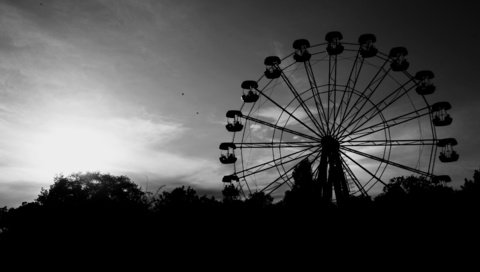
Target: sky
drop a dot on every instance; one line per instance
(141, 87)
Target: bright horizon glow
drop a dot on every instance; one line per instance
(69, 149)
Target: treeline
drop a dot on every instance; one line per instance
(95, 206)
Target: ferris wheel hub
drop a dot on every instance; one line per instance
(330, 144)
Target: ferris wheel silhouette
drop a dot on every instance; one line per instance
(355, 113)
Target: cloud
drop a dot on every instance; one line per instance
(14, 193)
(6, 43)
(84, 87)
(136, 146)
(279, 49)
(274, 114)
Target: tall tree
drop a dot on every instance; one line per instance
(306, 190)
(92, 188)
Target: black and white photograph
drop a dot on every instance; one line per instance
(135, 123)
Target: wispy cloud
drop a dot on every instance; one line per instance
(274, 114)
(85, 86)
(133, 145)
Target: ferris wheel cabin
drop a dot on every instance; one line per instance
(233, 121)
(398, 57)
(425, 85)
(440, 116)
(367, 48)
(334, 46)
(301, 50)
(227, 155)
(250, 94)
(272, 70)
(447, 154)
(230, 178)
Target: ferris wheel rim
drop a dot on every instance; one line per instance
(353, 136)
(355, 91)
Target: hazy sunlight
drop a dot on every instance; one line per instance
(66, 149)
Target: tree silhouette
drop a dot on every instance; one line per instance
(472, 186)
(95, 188)
(259, 200)
(470, 192)
(230, 194)
(81, 208)
(415, 192)
(3, 219)
(178, 198)
(305, 191)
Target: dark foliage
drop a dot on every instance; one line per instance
(230, 194)
(94, 208)
(471, 188)
(259, 200)
(100, 190)
(415, 192)
(304, 191)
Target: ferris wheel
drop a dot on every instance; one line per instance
(356, 114)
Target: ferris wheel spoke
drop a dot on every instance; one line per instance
(387, 124)
(268, 165)
(351, 83)
(340, 125)
(372, 86)
(375, 181)
(396, 94)
(316, 95)
(401, 166)
(363, 168)
(354, 178)
(301, 102)
(357, 71)
(317, 151)
(274, 185)
(288, 113)
(304, 156)
(334, 80)
(329, 91)
(317, 168)
(353, 120)
(265, 123)
(271, 145)
(390, 142)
